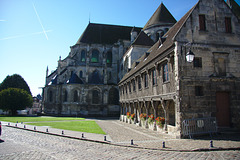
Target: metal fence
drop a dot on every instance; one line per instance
(199, 126)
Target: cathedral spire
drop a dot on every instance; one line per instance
(47, 72)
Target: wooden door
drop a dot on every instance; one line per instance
(223, 109)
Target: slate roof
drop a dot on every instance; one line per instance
(155, 50)
(75, 79)
(106, 34)
(161, 16)
(235, 7)
(143, 39)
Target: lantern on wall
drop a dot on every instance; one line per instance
(190, 56)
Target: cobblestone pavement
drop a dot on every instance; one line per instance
(21, 144)
(123, 133)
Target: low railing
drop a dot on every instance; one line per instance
(199, 126)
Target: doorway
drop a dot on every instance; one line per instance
(223, 109)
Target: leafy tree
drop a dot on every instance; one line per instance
(15, 81)
(14, 99)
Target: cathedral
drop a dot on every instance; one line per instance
(85, 83)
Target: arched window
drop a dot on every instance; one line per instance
(95, 97)
(81, 74)
(113, 96)
(75, 98)
(50, 96)
(95, 56)
(95, 78)
(109, 59)
(65, 96)
(83, 56)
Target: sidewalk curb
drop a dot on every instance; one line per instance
(130, 146)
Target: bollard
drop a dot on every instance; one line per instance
(211, 144)
(163, 144)
(82, 135)
(105, 138)
(16, 125)
(9, 124)
(24, 126)
(47, 130)
(34, 128)
(62, 132)
(17, 121)
(132, 142)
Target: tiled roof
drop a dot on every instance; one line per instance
(161, 16)
(155, 50)
(143, 39)
(106, 34)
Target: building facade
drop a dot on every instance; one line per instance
(85, 82)
(163, 84)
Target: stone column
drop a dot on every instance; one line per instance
(146, 107)
(155, 114)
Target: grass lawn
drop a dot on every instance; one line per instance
(37, 119)
(66, 124)
(81, 126)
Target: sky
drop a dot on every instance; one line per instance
(34, 33)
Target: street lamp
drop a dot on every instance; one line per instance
(190, 56)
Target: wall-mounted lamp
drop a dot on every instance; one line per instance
(190, 56)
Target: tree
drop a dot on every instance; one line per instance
(14, 99)
(15, 81)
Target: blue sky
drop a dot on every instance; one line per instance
(34, 33)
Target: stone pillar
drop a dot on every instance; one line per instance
(155, 114)
(146, 107)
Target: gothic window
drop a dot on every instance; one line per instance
(202, 22)
(75, 96)
(95, 97)
(198, 90)
(65, 96)
(113, 96)
(81, 74)
(145, 80)
(50, 96)
(153, 77)
(139, 82)
(197, 62)
(109, 59)
(109, 75)
(95, 78)
(165, 73)
(228, 25)
(83, 56)
(95, 56)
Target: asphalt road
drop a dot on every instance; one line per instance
(22, 144)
